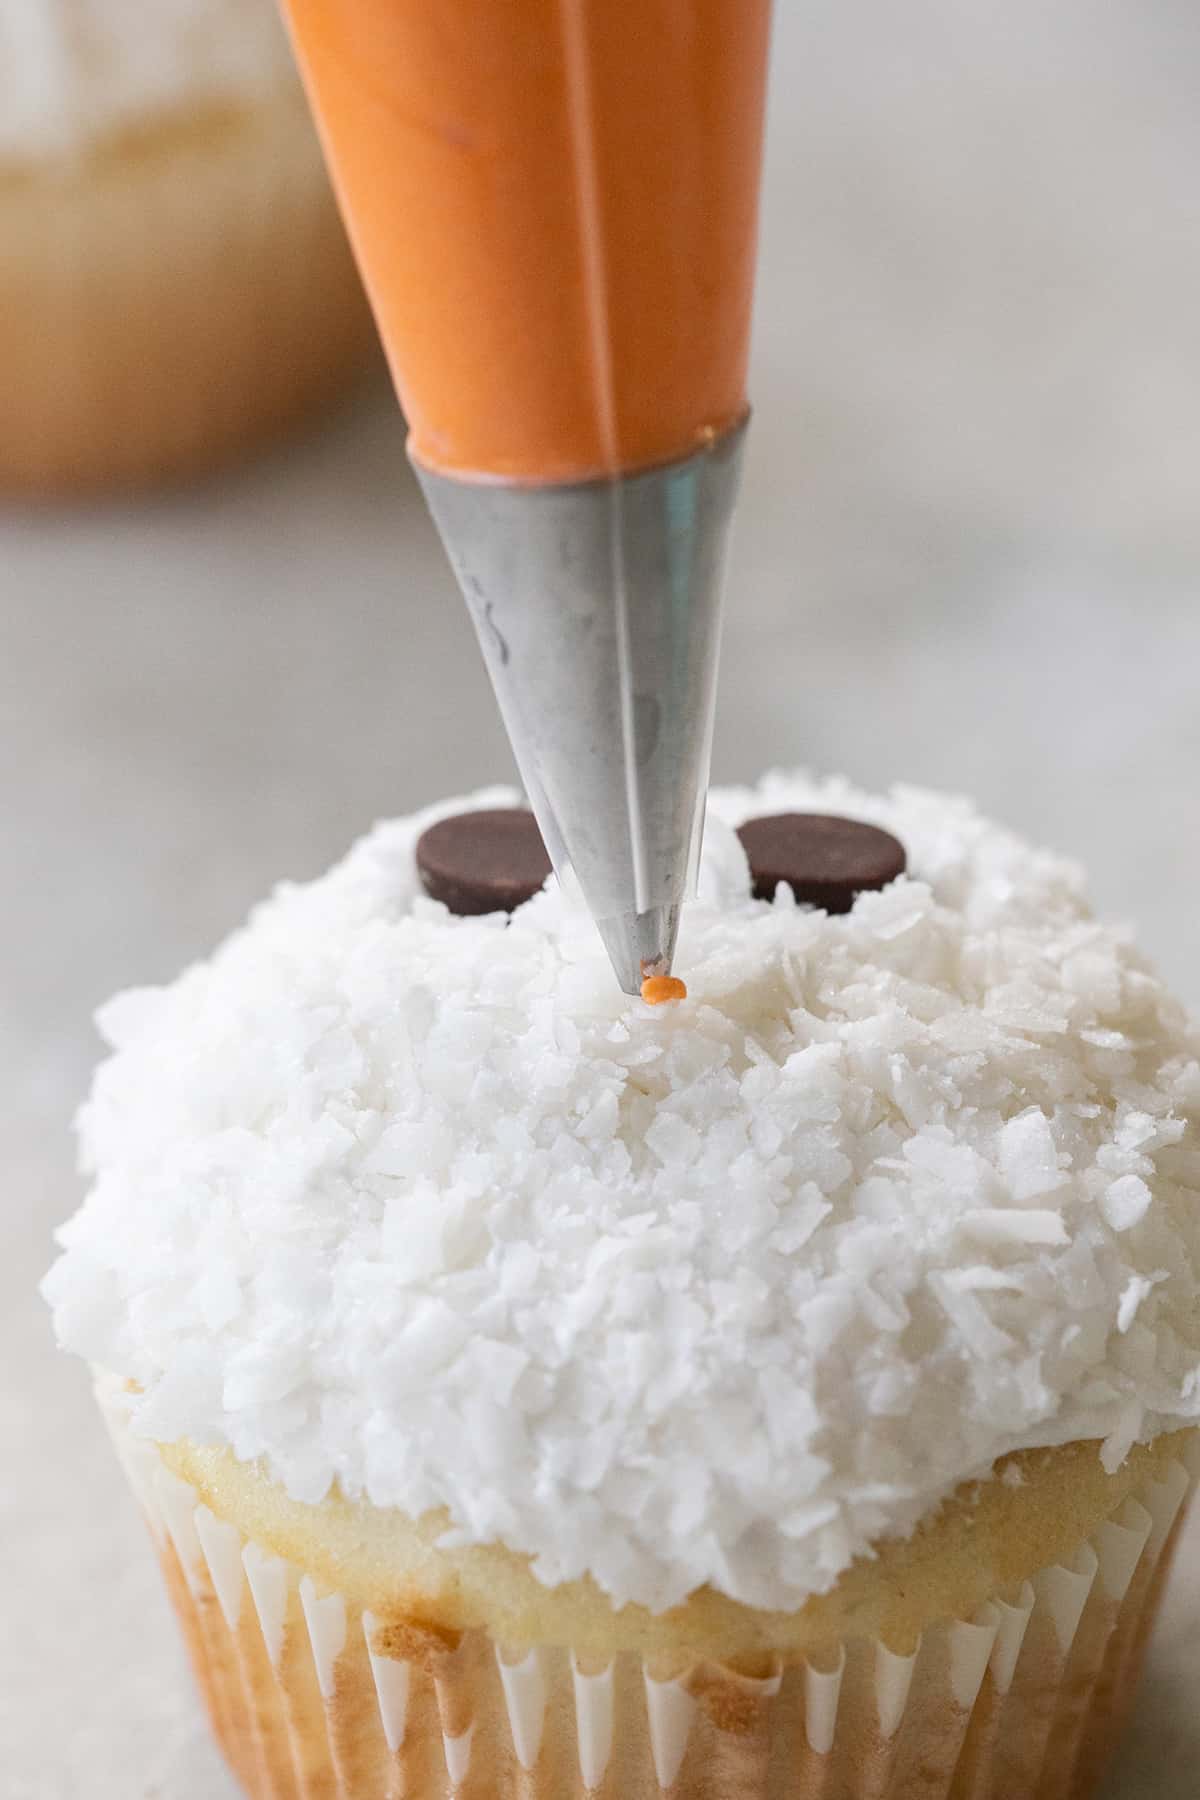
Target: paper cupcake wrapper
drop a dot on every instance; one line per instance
(165, 308)
(313, 1699)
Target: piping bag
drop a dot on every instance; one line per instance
(554, 207)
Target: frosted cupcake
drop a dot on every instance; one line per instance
(785, 1391)
(174, 282)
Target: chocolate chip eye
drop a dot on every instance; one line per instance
(825, 860)
(483, 862)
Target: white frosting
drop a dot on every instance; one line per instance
(722, 1291)
(72, 71)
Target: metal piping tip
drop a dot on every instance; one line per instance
(640, 944)
(597, 605)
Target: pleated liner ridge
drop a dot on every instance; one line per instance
(312, 1699)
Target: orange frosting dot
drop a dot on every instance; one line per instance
(657, 988)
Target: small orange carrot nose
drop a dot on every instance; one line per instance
(657, 988)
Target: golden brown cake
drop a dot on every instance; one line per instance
(995, 1652)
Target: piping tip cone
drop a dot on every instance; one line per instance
(597, 606)
(640, 944)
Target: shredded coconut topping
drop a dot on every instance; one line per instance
(721, 1292)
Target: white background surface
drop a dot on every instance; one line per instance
(968, 555)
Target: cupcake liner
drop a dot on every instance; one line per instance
(313, 1699)
(168, 301)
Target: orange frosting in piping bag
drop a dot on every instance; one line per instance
(554, 206)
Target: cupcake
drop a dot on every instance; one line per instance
(781, 1392)
(175, 286)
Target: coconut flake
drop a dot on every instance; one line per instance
(1126, 1202)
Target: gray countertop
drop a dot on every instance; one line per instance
(968, 556)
